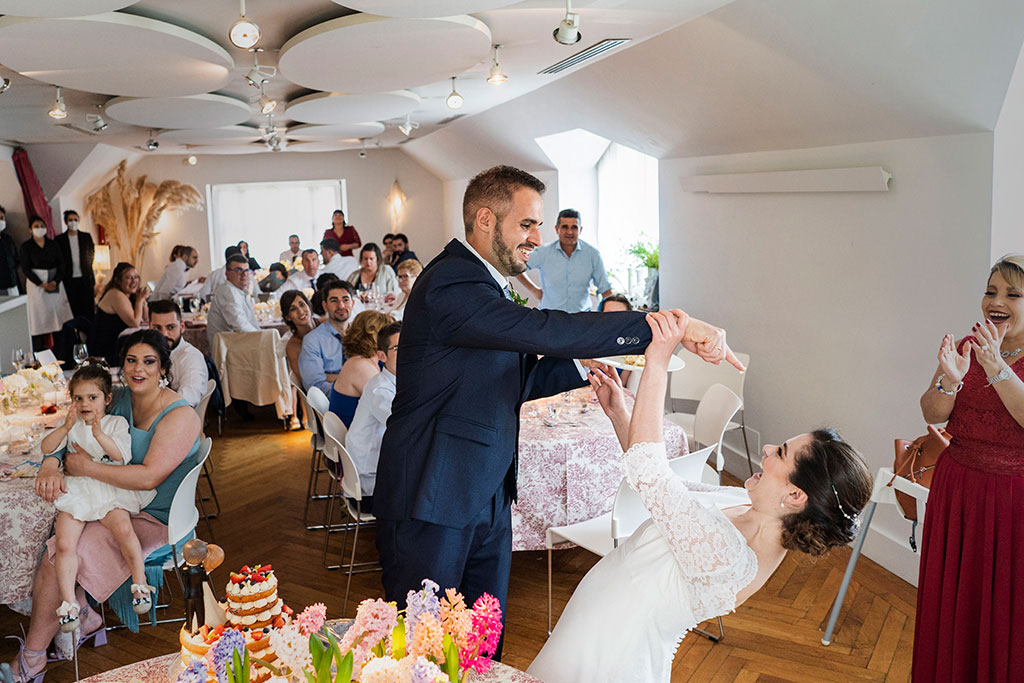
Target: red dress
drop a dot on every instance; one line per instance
(970, 596)
(348, 236)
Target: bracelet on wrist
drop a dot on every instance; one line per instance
(1005, 373)
(941, 390)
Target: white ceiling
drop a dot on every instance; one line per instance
(179, 47)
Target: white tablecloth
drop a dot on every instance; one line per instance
(253, 368)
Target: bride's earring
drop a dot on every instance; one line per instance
(782, 503)
(163, 381)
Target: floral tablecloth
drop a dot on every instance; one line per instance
(569, 471)
(156, 671)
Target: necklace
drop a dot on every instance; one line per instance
(1010, 354)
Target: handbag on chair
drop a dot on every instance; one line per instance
(915, 460)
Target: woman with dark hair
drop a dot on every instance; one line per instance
(360, 346)
(41, 262)
(348, 238)
(298, 316)
(244, 247)
(705, 548)
(122, 305)
(164, 447)
(970, 615)
(374, 279)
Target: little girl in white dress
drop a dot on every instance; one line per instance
(105, 438)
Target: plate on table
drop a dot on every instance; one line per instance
(636, 362)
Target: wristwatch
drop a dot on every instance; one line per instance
(1000, 376)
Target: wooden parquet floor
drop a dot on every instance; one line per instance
(261, 481)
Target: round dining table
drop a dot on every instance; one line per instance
(570, 464)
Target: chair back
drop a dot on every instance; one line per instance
(204, 403)
(184, 516)
(309, 419)
(690, 467)
(335, 432)
(693, 381)
(714, 412)
(318, 401)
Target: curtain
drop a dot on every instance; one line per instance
(32, 191)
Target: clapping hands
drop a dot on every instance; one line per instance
(954, 364)
(986, 342)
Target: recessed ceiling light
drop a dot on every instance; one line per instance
(454, 99)
(5, 83)
(497, 75)
(568, 31)
(244, 33)
(58, 110)
(190, 160)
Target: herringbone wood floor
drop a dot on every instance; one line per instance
(261, 480)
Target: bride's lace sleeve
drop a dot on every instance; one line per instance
(704, 543)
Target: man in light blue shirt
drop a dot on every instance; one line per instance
(322, 356)
(567, 267)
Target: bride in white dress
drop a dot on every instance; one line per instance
(705, 549)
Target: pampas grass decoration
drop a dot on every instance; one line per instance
(129, 209)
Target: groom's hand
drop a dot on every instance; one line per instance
(708, 342)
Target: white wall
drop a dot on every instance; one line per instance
(368, 182)
(841, 299)
(1008, 170)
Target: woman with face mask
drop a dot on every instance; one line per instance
(8, 259)
(48, 307)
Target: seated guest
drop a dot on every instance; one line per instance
(289, 255)
(253, 264)
(216, 277)
(367, 428)
(232, 310)
(122, 305)
(407, 271)
(343, 233)
(373, 279)
(175, 276)
(275, 279)
(400, 250)
(164, 447)
(334, 262)
(385, 248)
(361, 362)
(305, 278)
(190, 374)
(613, 303)
(298, 316)
(322, 354)
(322, 282)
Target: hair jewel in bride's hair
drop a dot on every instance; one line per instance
(94, 361)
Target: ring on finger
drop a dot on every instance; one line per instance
(984, 347)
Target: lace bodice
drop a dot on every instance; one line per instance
(712, 554)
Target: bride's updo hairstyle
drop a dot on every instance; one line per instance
(838, 486)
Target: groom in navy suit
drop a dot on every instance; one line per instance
(468, 359)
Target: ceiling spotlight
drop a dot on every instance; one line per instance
(190, 160)
(244, 33)
(362, 152)
(58, 110)
(151, 143)
(497, 75)
(5, 83)
(266, 104)
(259, 73)
(98, 124)
(408, 126)
(454, 99)
(568, 31)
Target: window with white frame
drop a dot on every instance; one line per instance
(265, 214)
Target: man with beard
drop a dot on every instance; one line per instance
(322, 356)
(468, 358)
(190, 375)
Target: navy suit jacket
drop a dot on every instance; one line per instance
(467, 361)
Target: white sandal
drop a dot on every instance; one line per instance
(142, 605)
(68, 616)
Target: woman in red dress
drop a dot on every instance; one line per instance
(346, 234)
(970, 611)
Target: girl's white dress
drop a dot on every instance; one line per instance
(682, 566)
(89, 499)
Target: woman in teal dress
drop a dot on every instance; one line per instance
(165, 443)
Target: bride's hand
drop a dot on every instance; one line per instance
(667, 331)
(608, 388)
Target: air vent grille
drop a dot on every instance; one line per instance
(589, 53)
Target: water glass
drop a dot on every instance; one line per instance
(18, 359)
(80, 353)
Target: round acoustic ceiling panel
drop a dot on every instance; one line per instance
(423, 8)
(329, 107)
(114, 54)
(192, 111)
(335, 131)
(324, 145)
(60, 8)
(211, 136)
(365, 53)
(240, 148)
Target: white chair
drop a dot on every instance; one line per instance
(313, 425)
(201, 408)
(714, 414)
(602, 534)
(346, 487)
(692, 382)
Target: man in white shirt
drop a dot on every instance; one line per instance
(288, 256)
(372, 413)
(175, 276)
(334, 262)
(232, 310)
(216, 277)
(188, 367)
(305, 278)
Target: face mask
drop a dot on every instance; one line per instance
(39, 232)
(72, 225)
(3, 224)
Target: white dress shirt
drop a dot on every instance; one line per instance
(172, 281)
(297, 280)
(368, 425)
(342, 266)
(231, 311)
(215, 279)
(288, 257)
(188, 372)
(76, 255)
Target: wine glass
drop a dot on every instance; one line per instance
(195, 304)
(80, 353)
(18, 359)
